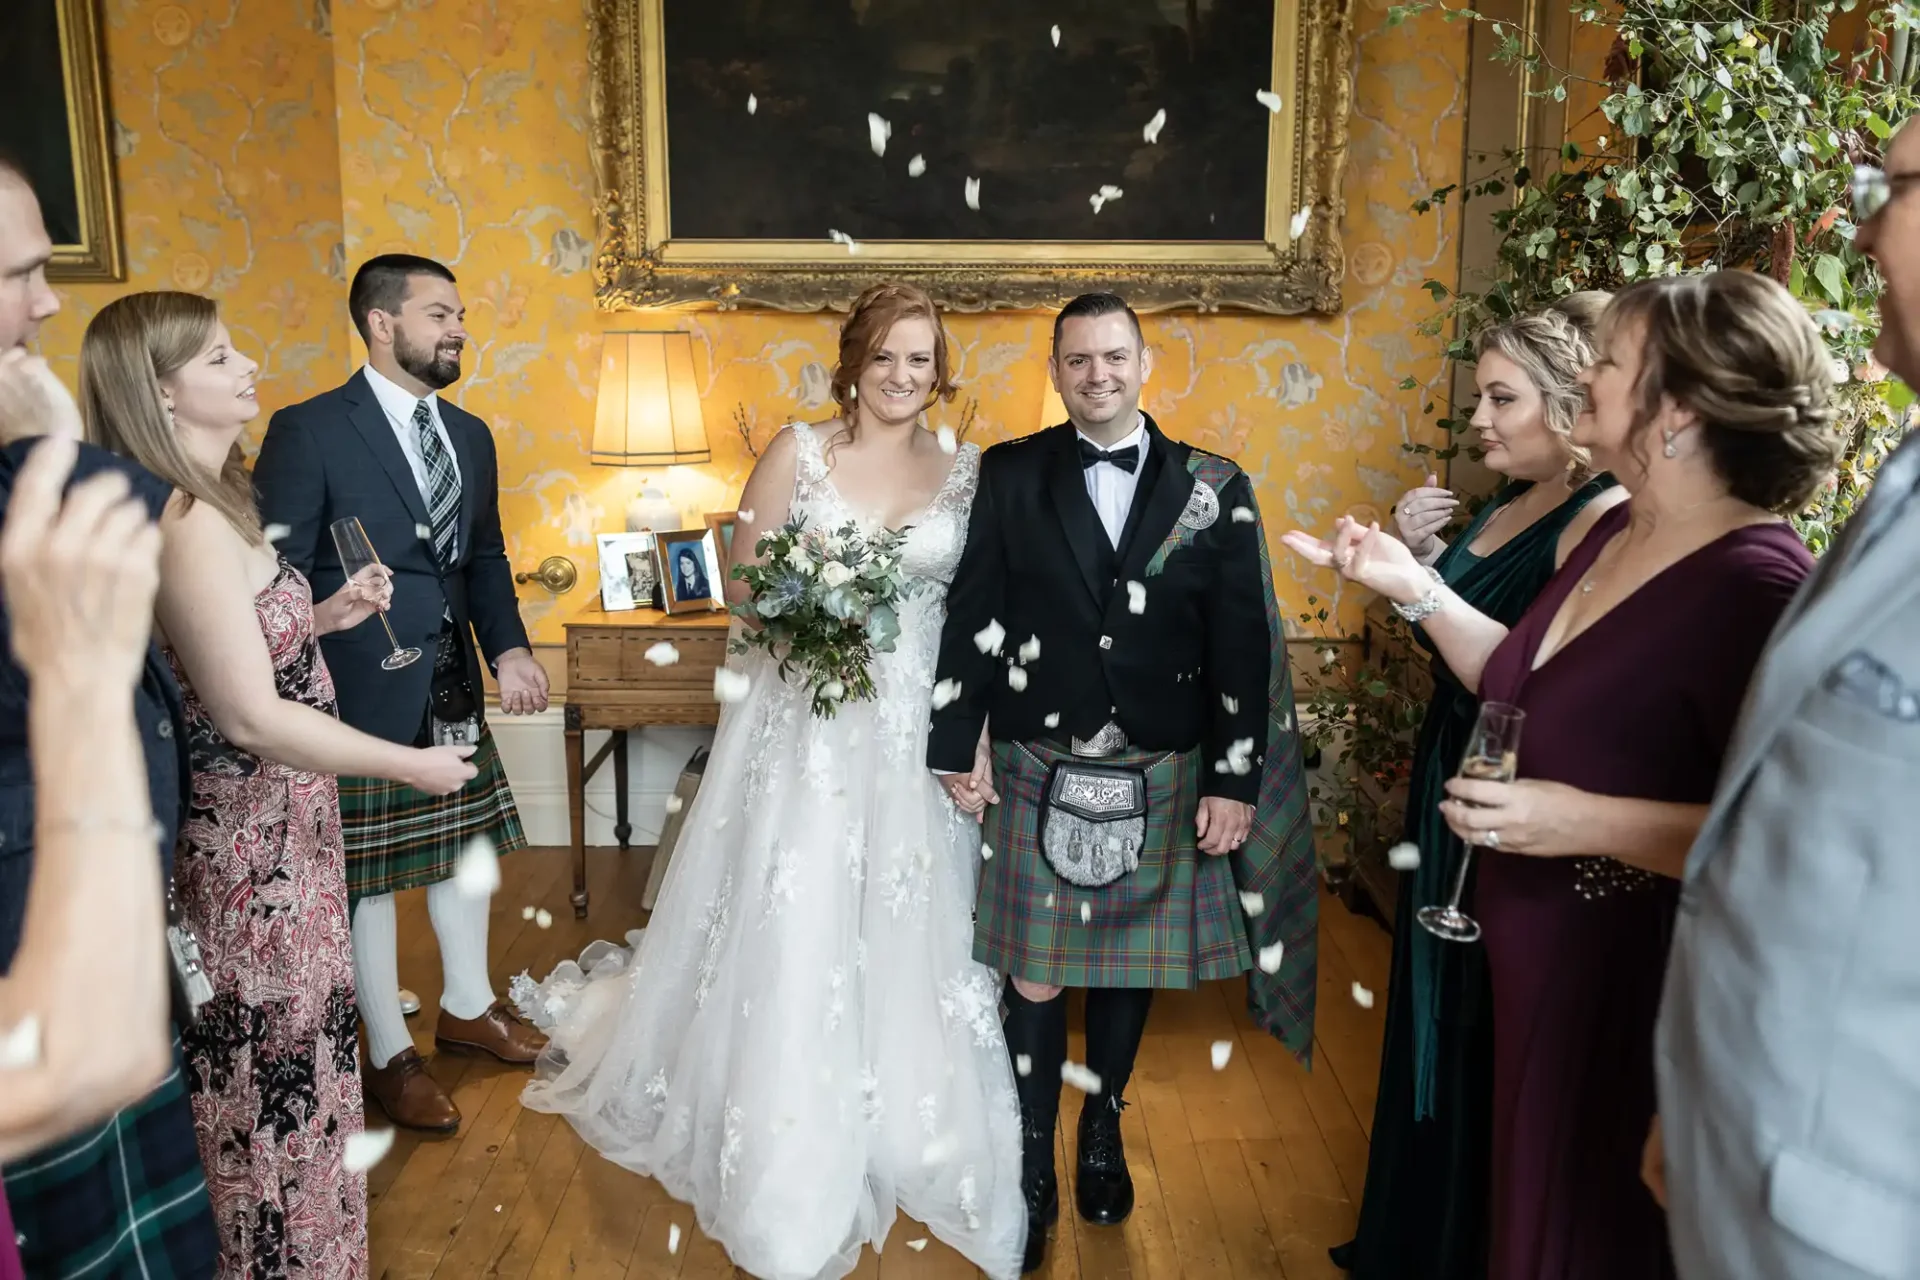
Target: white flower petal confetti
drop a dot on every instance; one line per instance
(526, 912)
(1030, 650)
(1136, 597)
(20, 1047)
(673, 1237)
(675, 804)
(949, 443)
(753, 105)
(424, 532)
(1152, 132)
(1104, 194)
(1086, 913)
(841, 237)
(1362, 996)
(1017, 679)
(1268, 99)
(1222, 1054)
(1231, 703)
(986, 852)
(1327, 657)
(1252, 903)
(1052, 720)
(989, 637)
(1243, 515)
(973, 194)
(916, 166)
(1270, 957)
(366, 1149)
(1079, 1077)
(1022, 1065)
(944, 692)
(938, 1152)
(1055, 33)
(833, 691)
(663, 654)
(275, 532)
(730, 686)
(1239, 761)
(878, 131)
(543, 918)
(1299, 224)
(1404, 856)
(918, 1245)
(1049, 902)
(477, 874)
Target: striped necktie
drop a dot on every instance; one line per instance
(443, 487)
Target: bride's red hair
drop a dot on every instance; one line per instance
(874, 314)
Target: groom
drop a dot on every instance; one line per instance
(1114, 685)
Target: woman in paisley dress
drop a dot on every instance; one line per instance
(800, 1044)
(261, 873)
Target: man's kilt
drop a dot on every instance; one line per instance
(1174, 922)
(400, 838)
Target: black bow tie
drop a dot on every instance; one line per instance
(1126, 459)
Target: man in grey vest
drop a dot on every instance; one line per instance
(1788, 1053)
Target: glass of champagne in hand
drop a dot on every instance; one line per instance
(356, 553)
(1493, 753)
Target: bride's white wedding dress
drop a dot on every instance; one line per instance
(801, 1042)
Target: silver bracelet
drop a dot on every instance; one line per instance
(1427, 605)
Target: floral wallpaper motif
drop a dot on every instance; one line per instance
(268, 144)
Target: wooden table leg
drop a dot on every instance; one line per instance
(622, 829)
(577, 807)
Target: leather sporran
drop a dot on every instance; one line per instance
(1093, 822)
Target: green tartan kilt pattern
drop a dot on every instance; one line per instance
(1173, 922)
(401, 838)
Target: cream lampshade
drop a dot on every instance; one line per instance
(648, 413)
(1052, 412)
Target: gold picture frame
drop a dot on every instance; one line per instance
(61, 131)
(640, 263)
(695, 588)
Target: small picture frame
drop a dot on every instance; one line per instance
(690, 577)
(629, 571)
(720, 524)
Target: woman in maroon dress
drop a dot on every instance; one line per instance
(1710, 401)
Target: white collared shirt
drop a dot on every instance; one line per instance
(399, 403)
(1110, 487)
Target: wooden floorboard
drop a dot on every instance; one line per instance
(1241, 1173)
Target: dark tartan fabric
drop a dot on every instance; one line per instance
(123, 1199)
(1171, 923)
(400, 838)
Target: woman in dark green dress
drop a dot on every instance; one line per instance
(1424, 1213)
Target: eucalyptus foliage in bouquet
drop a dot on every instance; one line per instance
(823, 604)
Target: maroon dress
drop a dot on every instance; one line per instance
(1642, 705)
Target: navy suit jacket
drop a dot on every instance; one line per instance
(336, 456)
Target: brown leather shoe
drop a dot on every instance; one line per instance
(411, 1098)
(497, 1032)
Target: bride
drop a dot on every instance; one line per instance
(801, 1043)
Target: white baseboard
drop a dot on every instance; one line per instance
(533, 750)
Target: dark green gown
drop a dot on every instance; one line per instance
(1424, 1212)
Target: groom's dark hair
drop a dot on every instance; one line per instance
(381, 285)
(1091, 306)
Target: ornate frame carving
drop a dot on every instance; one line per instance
(640, 265)
(98, 257)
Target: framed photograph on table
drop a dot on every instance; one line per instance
(690, 576)
(629, 571)
(720, 525)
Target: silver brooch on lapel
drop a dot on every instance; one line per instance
(1203, 507)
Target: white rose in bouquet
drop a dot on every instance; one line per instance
(834, 574)
(798, 559)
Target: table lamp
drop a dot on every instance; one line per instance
(648, 413)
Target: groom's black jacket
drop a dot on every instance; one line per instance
(1038, 562)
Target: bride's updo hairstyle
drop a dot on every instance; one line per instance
(874, 314)
(1740, 352)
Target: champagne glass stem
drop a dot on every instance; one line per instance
(389, 626)
(1460, 878)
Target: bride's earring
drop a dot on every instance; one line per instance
(853, 392)
(1670, 451)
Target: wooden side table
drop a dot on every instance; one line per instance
(612, 686)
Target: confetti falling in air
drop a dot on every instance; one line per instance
(1031, 649)
(477, 874)
(1136, 597)
(986, 852)
(1327, 657)
(1362, 996)
(675, 804)
(1299, 224)
(973, 194)
(1079, 1077)
(1252, 903)
(424, 532)
(663, 654)
(275, 532)
(1222, 1054)
(1055, 33)
(916, 166)
(1049, 902)
(944, 692)
(543, 918)
(730, 686)
(1104, 194)
(949, 442)
(918, 1245)
(1243, 515)
(1268, 99)
(526, 912)
(1239, 761)
(939, 1151)
(753, 104)
(1022, 1065)
(1086, 913)
(366, 1149)
(1152, 131)
(833, 691)
(878, 131)
(1231, 703)
(744, 515)
(673, 1237)
(989, 637)
(1270, 957)
(1052, 720)
(841, 237)
(1017, 679)
(1404, 856)
(20, 1047)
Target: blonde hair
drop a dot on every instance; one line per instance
(1552, 348)
(129, 347)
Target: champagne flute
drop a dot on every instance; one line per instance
(356, 553)
(1493, 753)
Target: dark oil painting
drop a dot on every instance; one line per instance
(33, 125)
(974, 88)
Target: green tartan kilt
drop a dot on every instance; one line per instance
(401, 838)
(1173, 922)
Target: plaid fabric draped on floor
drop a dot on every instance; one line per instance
(401, 838)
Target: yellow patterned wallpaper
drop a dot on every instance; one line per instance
(459, 133)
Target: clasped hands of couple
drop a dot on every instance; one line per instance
(1221, 825)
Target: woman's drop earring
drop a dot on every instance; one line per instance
(1670, 451)
(853, 392)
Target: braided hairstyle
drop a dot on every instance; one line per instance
(1552, 348)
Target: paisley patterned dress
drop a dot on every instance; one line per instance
(272, 1063)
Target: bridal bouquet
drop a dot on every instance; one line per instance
(823, 604)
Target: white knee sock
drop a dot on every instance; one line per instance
(376, 979)
(460, 923)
